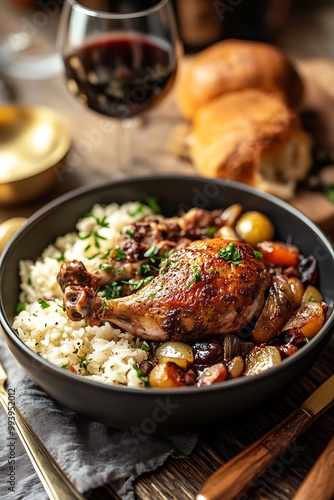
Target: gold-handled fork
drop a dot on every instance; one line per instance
(53, 479)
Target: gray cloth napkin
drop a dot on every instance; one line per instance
(90, 453)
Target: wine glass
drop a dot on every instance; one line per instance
(119, 61)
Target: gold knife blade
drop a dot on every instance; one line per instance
(237, 475)
(320, 399)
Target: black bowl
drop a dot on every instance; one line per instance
(154, 409)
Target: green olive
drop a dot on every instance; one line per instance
(254, 227)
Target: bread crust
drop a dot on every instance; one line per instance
(238, 135)
(232, 65)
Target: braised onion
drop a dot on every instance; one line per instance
(277, 309)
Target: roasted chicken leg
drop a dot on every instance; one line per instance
(213, 286)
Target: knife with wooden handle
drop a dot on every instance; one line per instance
(319, 482)
(237, 475)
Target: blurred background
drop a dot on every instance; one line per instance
(31, 70)
(302, 27)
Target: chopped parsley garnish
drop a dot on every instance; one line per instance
(165, 265)
(141, 376)
(139, 210)
(145, 346)
(95, 234)
(83, 237)
(21, 306)
(111, 291)
(44, 304)
(129, 233)
(151, 201)
(210, 270)
(329, 192)
(183, 456)
(145, 269)
(107, 268)
(76, 351)
(119, 254)
(151, 252)
(65, 366)
(61, 258)
(135, 285)
(258, 255)
(196, 277)
(152, 255)
(230, 254)
(106, 255)
(83, 362)
(210, 231)
(306, 340)
(100, 222)
(197, 274)
(96, 238)
(94, 256)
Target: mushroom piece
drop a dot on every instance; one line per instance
(278, 307)
(261, 359)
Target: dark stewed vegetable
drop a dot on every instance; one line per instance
(278, 308)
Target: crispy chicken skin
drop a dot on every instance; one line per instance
(164, 236)
(197, 292)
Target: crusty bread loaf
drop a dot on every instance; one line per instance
(251, 137)
(232, 65)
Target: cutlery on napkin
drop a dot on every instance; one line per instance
(90, 454)
(53, 479)
(234, 477)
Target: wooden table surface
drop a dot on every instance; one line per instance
(92, 161)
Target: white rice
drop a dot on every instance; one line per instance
(103, 353)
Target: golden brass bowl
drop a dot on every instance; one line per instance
(33, 140)
(8, 229)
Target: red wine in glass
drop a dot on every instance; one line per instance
(120, 60)
(121, 75)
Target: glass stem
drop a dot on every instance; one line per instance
(123, 147)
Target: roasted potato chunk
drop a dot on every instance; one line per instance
(308, 319)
